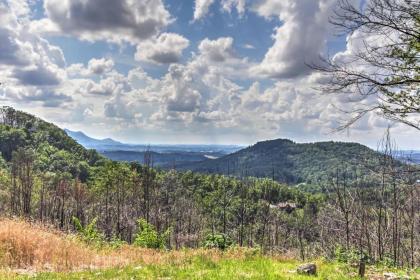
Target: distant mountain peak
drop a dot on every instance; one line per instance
(90, 142)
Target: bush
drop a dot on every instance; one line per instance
(346, 256)
(218, 241)
(89, 233)
(148, 237)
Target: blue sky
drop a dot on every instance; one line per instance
(191, 71)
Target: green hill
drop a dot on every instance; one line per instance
(55, 150)
(286, 161)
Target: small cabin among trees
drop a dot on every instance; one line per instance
(285, 206)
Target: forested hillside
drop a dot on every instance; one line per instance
(30, 138)
(46, 176)
(292, 163)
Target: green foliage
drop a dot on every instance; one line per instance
(292, 163)
(148, 237)
(343, 255)
(116, 242)
(65, 181)
(92, 236)
(89, 233)
(217, 241)
(55, 150)
(201, 267)
(3, 163)
(11, 139)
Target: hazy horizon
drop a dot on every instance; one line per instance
(376, 147)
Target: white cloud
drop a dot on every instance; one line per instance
(20, 8)
(38, 75)
(210, 97)
(218, 50)
(100, 66)
(182, 97)
(95, 66)
(165, 49)
(300, 40)
(113, 84)
(109, 20)
(201, 8)
(248, 46)
(28, 62)
(120, 108)
(229, 5)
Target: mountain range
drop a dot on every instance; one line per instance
(163, 155)
(281, 159)
(90, 142)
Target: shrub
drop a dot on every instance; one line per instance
(346, 256)
(217, 241)
(89, 233)
(148, 237)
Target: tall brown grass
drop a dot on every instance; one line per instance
(37, 247)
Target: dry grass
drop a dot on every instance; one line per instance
(29, 248)
(30, 245)
(36, 247)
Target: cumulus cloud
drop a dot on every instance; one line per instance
(116, 21)
(100, 66)
(123, 107)
(113, 84)
(229, 5)
(210, 93)
(201, 8)
(299, 40)
(183, 97)
(37, 76)
(95, 66)
(29, 95)
(20, 8)
(28, 62)
(217, 50)
(165, 49)
(48, 98)
(12, 51)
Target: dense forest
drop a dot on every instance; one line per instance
(366, 211)
(292, 163)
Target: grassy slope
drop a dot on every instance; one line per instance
(201, 267)
(28, 251)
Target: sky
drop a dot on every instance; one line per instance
(182, 71)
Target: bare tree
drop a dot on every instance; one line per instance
(386, 63)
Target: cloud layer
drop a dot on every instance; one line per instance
(206, 90)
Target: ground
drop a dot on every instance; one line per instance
(204, 267)
(34, 251)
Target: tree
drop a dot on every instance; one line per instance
(23, 180)
(384, 61)
(10, 140)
